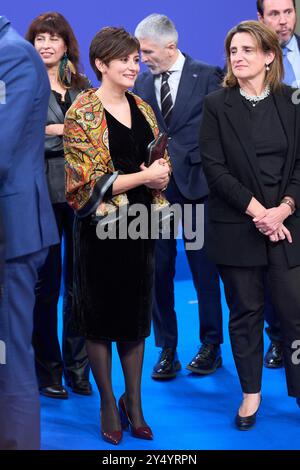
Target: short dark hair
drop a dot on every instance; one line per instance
(260, 6)
(111, 43)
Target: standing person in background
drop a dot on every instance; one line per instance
(30, 229)
(54, 40)
(175, 87)
(280, 16)
(251, 156)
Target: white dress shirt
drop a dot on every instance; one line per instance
(173, 81)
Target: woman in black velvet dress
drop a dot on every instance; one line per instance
(107, 131)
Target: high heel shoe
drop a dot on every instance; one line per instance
(141, 432)
(113, 437)
(247, 422)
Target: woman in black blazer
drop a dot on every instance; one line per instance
(251, 156)
(54, 40)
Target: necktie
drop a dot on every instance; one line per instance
(289, 74)
(166, 98)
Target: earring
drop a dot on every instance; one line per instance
(66, 69)
(267, 67)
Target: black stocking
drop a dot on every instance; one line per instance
(132, 356)
(99, 353)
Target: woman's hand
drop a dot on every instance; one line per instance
(157, 174)
(281, 233)
(272, 219)
(55, 129)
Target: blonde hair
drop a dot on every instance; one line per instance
(267, 41)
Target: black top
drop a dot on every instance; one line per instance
(269, 140)
(64, 105)
(128, 147)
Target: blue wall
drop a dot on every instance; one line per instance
(202, 24)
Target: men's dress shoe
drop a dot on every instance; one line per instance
(247, 422)
(274, 356)
(167, 365)
(141, 432)
(81, 387)
(54, 391)
(207, 360)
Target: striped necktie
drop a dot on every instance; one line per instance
(166, 98)
(289, 74)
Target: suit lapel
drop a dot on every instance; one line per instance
(186, 88)
(55, 108)
(3, 23)
(240, 121)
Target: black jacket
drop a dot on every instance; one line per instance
(231, 168)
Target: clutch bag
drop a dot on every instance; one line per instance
(156, 149)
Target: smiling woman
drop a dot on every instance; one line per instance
(107, 131)
(54, 40)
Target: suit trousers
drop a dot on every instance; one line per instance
(19, 397)
(245, 295)
(205, 278)
(50, 362)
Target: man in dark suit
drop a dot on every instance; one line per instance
(280, 15)
(175, 87)
(30, 229)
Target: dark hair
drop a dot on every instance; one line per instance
(111, 43)
(267, 41)
(55, 23)
(260, 6)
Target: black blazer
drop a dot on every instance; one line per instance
(197, 80)
(232, 171)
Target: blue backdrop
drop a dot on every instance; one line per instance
(202, 25)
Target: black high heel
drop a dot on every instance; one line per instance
(247, 422)
(141, 432)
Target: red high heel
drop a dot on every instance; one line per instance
(142, 432)
(113, 437)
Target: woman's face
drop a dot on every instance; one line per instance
(121, 72)
(247, 60)
(51, 48)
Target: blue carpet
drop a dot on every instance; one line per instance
(190, 412)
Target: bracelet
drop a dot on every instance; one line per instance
(289, 203)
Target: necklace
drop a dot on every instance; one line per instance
(256, 99)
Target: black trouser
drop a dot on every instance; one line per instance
(245, 295)
(273, 329)
(50, 363)
(206, 282)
